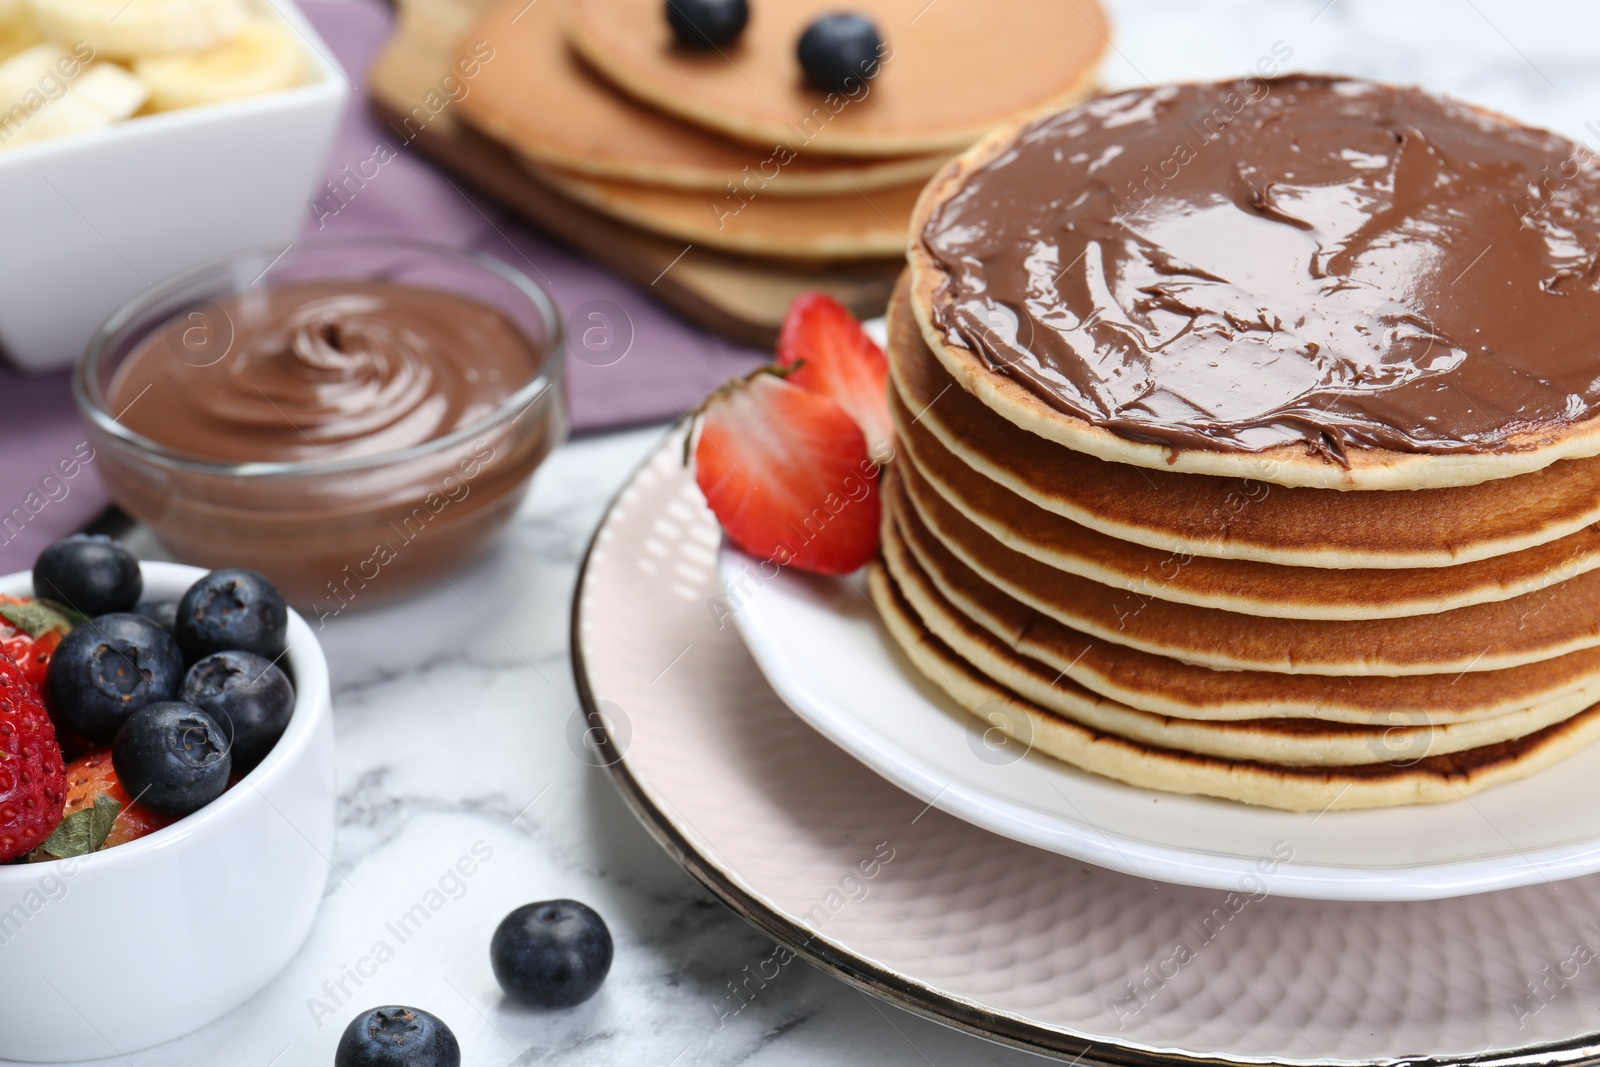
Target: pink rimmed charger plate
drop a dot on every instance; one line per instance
(1016, 943)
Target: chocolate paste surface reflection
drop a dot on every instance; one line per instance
(329, 372)
(321, 371)
(1245, 265)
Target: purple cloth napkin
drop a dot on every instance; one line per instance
(668, 366)
(41, 440)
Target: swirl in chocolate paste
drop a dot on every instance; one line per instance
(324, 371)
(1298, 260)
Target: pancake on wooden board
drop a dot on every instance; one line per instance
(1168, 687)
(1298, 741)
(1435, 779)
(937, 482)
(1537, 626)
(541, 100)
(1238, 518)
(1530, 292)
(855, 225)
(948, 73)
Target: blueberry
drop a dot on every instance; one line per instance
(250, 698)
(838, 52)
(552, 954)
(397, 1036)
(232, 609)
(707, 23)
(172, 758)
(164, 613)
(108, 668)
(89, 573)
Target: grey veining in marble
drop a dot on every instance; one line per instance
(452, 708)
(452, 713)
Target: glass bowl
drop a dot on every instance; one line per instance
(332, 533)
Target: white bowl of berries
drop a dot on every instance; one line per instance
(166, 798)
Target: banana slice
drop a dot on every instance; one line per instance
(125, 29)
(44, 93)
(17, 35)
(262, 57)
(43, 68)
(17, 29)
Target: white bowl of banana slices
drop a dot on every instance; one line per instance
(139, 138)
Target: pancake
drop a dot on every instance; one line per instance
(1301, 742)
(856, 225)
(541, 100)
(1435, 779)
(1536, 626)
(939, 484)
(1236, 518)
(1170, 688)
(949, 73)
(1276, 304)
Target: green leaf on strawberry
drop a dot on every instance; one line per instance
(38, 617)
(84, 831)
(72, 615)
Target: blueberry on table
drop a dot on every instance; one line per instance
(248, 695)
(89, 573)
(707, 23)
(839, 52)
(397, 1036)
(172, 758)
(106, 669)
(164, 613)
(232, 609)
(552, 954)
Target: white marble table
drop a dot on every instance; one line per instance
(452, 708)
(452, 711)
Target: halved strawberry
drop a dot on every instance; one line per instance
(833, 355)
(92, 775)
(30, 650)
(787, 473)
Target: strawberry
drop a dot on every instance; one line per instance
(788, 475)
(91, 775)
(33, 782)
(31, 652)
(831, 354)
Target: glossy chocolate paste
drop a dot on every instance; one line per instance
(340, 375)
(1307, 260)
(321, 371)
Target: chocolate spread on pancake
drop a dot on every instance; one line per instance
(1312, 260)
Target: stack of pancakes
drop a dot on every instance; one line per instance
(728, 148)
(1304, 523)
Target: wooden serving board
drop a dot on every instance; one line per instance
(742, 297)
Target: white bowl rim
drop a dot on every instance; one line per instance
(310, 670)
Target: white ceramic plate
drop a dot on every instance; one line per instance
(1015, 943)
(822, 645)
